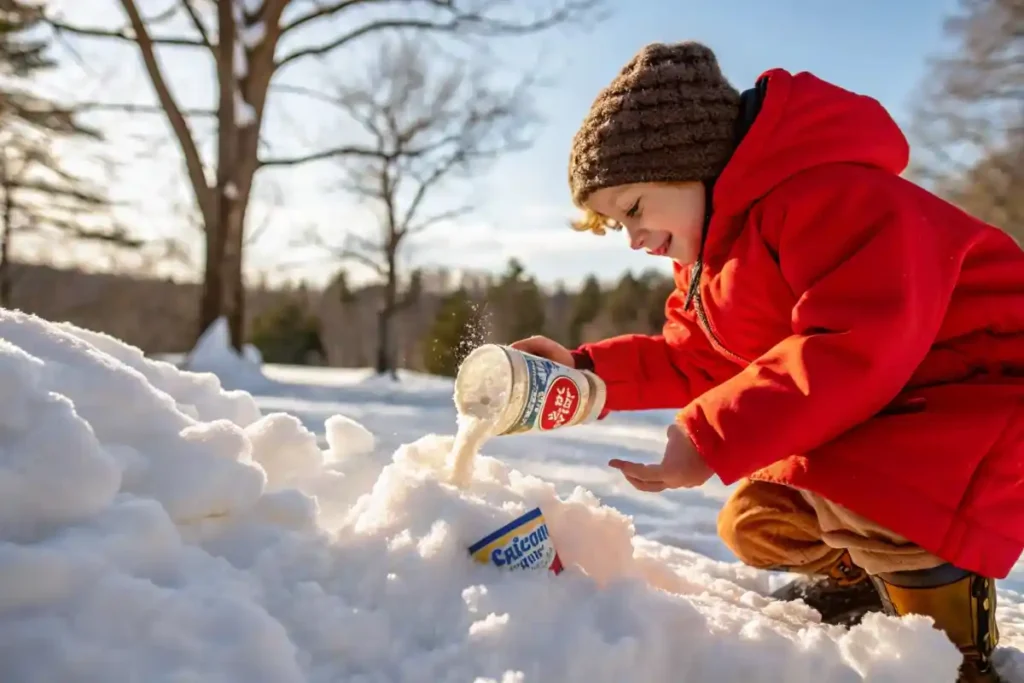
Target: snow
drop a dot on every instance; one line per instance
(253, 35)
(213, 354)
(155, 526)
(241, 61)
(245, 114)
(250, 352)
(231, 191)
(251, 6)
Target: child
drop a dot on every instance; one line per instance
(845, 345)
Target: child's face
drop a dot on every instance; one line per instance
(665, 219)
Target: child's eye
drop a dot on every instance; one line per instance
(633, 209)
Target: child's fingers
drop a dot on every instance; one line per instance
(649, 473)
(648, 486)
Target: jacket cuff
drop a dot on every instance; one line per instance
(583, 360)
(709, 444)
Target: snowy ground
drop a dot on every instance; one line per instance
(154, 527)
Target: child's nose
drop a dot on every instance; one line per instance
(636, 241)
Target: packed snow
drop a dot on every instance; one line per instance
(211, 355)
(294, 525)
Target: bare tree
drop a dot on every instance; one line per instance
(38, 194)
(428, 125)
(250, 42)
(969, 121)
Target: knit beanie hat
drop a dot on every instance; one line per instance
(668, 116)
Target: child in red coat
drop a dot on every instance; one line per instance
(846, 346)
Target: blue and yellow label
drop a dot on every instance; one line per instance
(523, 543)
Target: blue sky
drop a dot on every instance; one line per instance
(877, 47)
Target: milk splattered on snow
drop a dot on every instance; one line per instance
(480, 397)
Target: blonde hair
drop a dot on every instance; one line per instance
(595, 223)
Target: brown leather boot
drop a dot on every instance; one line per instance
(842, 595)
(962, 604)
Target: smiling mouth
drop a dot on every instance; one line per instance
(662, 250)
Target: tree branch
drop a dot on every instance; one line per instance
(359, 257)
(438, 218)
(333, 153)
(118, 236)
(123, 34)
(474, 21)
(289, 89)
(130, 108)
(353, 249)
(161, 17)
(323, 12)
(354, 151)
(197, 22)
(383, 24)
(193, 160)
(440, 170)
(257, 232)
(51, 189)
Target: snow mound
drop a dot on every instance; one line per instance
(154, 528)
(214, 354)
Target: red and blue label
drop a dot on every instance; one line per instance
(552, 398)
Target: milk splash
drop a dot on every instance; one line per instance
(469, 439)
(480, 397)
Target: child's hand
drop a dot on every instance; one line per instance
(681, 466)
(545, 348)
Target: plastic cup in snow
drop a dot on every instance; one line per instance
(523, 543)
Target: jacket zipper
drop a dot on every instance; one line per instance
(702, 316)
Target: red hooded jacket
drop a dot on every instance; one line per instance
(852, 334)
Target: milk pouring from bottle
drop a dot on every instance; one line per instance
(499, 390)
(518, 392)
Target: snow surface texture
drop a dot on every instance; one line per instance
(154, 527)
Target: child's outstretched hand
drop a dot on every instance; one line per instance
(681, 466)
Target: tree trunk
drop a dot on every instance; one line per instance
(385, 359)
(383, 340)
(235, 278)
(227, 147)
(5, 237)
(212, 294)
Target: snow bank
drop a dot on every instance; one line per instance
(214, 354)
(154, 527)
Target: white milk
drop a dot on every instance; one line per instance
(499, 390)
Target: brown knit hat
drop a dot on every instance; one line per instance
(667, 117)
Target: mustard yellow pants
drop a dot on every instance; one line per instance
(771, 526)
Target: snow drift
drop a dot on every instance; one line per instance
(213, 353)
(155, 527)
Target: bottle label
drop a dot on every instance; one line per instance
(561, 403)
(553, 397)
(523, 543)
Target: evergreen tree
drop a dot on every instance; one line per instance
(559, 307)
(38, 193)
(287, 334)
(625, 303)
(659, 287)
(586, 307)
(455, 332)
(516, 304)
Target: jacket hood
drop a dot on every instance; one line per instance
(806, 122)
